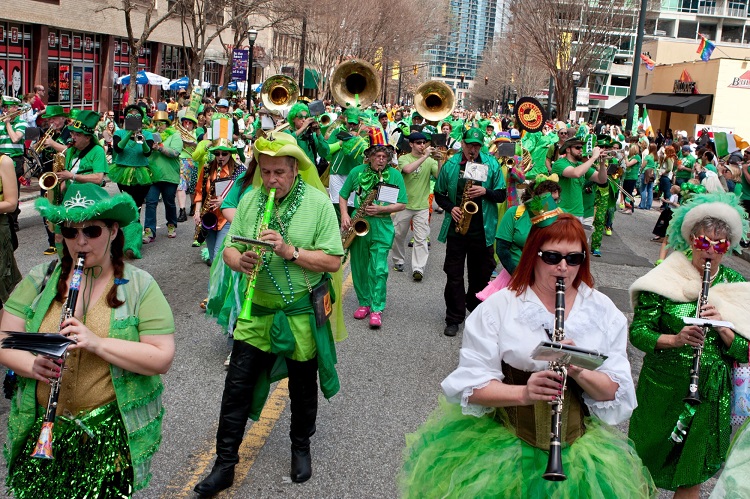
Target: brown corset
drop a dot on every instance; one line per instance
(532, 423)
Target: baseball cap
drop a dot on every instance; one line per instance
(474, 136)
(686, 148)
(416, 136)
(222, 102)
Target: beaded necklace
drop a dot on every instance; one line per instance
(280, 224)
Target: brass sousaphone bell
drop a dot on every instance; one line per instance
(279, 93)
(355, 77)
(434, 100)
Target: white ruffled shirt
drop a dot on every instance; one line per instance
(507, 328)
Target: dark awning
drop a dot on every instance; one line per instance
(311, 80)
(686, 104)
(619, 109)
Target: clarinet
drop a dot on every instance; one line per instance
(252, 276)
(43, 449)
(695, 370)
(554, 471)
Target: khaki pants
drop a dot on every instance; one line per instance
(420, 219)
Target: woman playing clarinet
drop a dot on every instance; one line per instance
(684, 442)
(491, 437)
(108, 416)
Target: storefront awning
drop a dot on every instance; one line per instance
(312, 78)
(686, 104)
(619, 109)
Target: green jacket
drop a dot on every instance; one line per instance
(165, 166)
(138, 396)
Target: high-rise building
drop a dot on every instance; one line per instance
(455, 56)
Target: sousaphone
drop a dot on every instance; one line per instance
(434, 100)
(279, 93)
(355, 77)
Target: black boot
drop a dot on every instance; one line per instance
(246, 364)
(182, 217)
(303, 393)
(192, 210)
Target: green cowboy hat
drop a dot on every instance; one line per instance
(542, 210)
(85, 201)
(53, 111)
(282, 144)
(85, 122)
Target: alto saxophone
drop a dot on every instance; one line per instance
(468, 208)
(209, 220)
(359, 226)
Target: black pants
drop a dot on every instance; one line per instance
(137, 192)
(246, 365)
(480, 262)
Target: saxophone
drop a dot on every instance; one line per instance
(468, 208)
(209, 220)
(359, 226)
(252, 276)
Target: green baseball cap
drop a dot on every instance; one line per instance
(474, 136)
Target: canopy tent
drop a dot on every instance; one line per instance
(233, 86)
(144, 78)
(182, 84)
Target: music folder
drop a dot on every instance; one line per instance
(568, 354)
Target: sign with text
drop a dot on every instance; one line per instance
(239, 64)
(742, 81)
(685, 85)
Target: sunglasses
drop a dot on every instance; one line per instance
(577, 147)
(703, 243)
(223, 153)
(553, 258)
(90, 232)
(419, 142)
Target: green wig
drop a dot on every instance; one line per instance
(721, 205)
(295, 110)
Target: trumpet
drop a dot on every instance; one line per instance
(15, 114)
(39, 146)
(138, 137)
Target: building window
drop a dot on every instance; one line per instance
(74, 70)
(732, 34)
(708, 30)
(15, 54)
(687, 29)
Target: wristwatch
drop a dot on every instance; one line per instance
(295, 255)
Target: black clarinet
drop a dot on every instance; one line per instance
(695, 370)
(554, 471)
(43, 449)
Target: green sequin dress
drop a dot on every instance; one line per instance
(663, 383)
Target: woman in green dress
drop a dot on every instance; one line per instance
(709, 225)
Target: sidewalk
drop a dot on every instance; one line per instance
(29, 193)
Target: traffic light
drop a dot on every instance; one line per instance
(415, 70)
(486, 80)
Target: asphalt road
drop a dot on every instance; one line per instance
(389, 378)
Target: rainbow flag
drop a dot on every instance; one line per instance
(648, 62)
(705, 48)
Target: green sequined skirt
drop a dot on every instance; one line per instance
(91, 459)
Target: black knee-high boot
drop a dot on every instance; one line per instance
(303, 393)
(246, 364)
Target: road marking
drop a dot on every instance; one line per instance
(254, 440)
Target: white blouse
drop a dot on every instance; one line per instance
(507, 328)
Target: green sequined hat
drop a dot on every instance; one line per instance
(722, 205)
(86, 201)
(543, 210)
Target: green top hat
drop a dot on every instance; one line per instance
(54, 111)
(85, 122)
(542, 210)
(474, 136)
(74, 114)
(85, 201)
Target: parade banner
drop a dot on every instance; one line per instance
(240, 58)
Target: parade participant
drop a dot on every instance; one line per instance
(306, 130)
(8, 202)
(648, 175)
(605, 197)
(514, 229)
(12, 132)
(574, 172)
(733, 481)
(187, 168)
(417, 168)
(306, 245)
(109, 411)
(370, 251)
(686, 162)
(630, 179)
(488, 438)
(54, 144)
(130, 171)
(472, 249)
(347, 152)
(710, 225)
(164, 163)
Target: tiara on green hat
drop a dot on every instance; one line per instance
(87, 201)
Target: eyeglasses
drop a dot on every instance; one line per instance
(223, 153)
(553, 258)
(580, 148)
(90, 232)
(302, 116)
(703, 243)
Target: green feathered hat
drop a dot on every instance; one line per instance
(542, 210)
(85, 201)
(721, 205)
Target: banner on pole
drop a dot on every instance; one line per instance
(240, 59)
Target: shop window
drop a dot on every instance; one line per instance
(687, 29)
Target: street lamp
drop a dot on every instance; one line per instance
(576, 80)
(251, 36)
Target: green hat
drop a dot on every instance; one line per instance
(138, 108)
(281, 144)
(54, 111)
(86, 201)
(542, 210)
(11, 101)
(474, 136)
(182, 115)
(74, 113)
(415, 114)
(238, 111)
(85, 122)
(352, 115)
(603, 140)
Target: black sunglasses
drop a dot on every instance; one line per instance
(553, 258)
(223, 153)
(90, 232)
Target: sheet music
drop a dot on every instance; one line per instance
(388, 193)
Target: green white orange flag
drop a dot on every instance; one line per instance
(727, 143)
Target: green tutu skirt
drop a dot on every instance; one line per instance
(91, 459)
(454, 455)
(130, 175)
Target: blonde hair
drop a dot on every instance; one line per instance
(736, 172)
(634, 150)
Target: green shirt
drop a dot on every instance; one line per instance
(7, 146)
(95, 161)
(688, 162)
(649, 163)
(313, 227)
(571, 189)
(418, 182)
(165, 167)
(745, 185)
(631, 172)
(235, 194)
(514, 229)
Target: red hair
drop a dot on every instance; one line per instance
(567, 229)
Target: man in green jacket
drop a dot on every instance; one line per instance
(164, 163)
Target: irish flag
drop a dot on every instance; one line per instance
(727, 143)
(647, 123)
